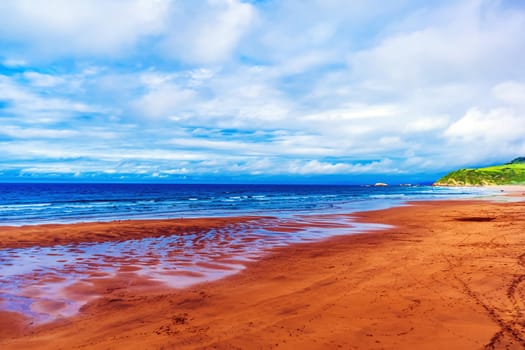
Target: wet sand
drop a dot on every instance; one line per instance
(448, 275)
(56, 234)
(50, 282)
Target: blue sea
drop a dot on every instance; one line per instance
(23, 204)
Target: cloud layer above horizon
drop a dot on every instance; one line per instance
(252, 90)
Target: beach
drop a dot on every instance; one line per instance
(447, 274)
(257, 174)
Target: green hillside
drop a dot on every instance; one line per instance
(512, 173)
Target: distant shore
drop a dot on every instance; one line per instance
(447, 275)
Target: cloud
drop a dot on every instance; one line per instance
(197, 32)
(511, 92)
(242, 88)
(92, 27)
(455, 42)
(315, 167)
(427, 124)
(22, 102)
(207, 32)
(487, 135)
(43, 80)
(495, 127)
(164, 101)
(36, 133)
(14, 62)
(353, 113)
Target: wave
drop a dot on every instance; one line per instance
(38, 204)
(384, 196)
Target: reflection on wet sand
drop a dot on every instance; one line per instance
(46, 283)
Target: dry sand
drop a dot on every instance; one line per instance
(449, 275)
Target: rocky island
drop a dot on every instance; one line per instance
(512, 173)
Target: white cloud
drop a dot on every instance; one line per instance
(176, 171)
(317, 167)
(426, 124)
(43, 80)
(511, 92)
(197, 32)
(277, 145)
(468, 40)
(209, 33)
(165, 100)
(36, 133)
(14, 62)
(152, 85)
(93, 27)
(30, 106)
(352, 113)
(495, 134)
(495, 127)
(326, 168)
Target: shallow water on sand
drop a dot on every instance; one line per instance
(49, 283)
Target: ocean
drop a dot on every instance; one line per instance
(29, 204)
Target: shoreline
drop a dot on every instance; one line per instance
(52, 218)
(398, 287)
(101, 231)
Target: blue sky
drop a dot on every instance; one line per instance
(258, 91)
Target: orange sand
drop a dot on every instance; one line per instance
(448, 276)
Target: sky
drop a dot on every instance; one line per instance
(327, 91)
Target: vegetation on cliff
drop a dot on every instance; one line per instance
(512, 173)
